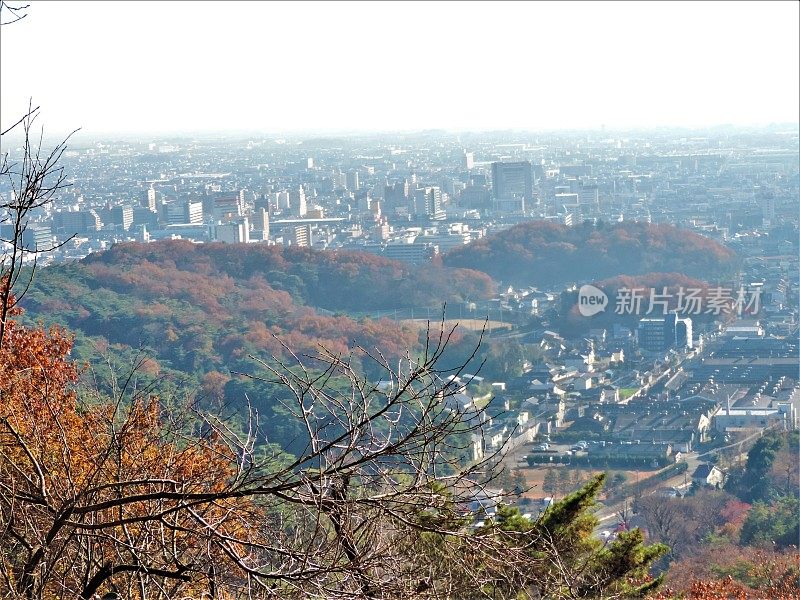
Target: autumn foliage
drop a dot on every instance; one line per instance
(730, 573)
(90, 487)
(203, 308)
(546, 253)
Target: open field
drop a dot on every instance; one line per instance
(535, 477)
(470, 324)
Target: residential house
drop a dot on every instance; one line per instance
(707, 474)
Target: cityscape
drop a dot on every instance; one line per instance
(302, 364)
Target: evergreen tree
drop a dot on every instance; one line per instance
(754, 484)
(775, 524)
(519, 483)
(563, 485)
(550, 482)
(565, 559)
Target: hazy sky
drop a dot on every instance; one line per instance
(277, 67)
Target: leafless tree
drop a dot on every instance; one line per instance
(666, 520)
(34, 180)
(159, 500)
(13, 12)
(154, 499)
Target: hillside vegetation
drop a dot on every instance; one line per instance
(546, 253)
(199, 308)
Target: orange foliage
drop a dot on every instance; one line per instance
(94, 482)
(733, 572)
(542, 252)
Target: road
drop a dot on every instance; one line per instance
(608, 515)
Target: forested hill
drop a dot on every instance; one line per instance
(333, 280)
(198, 308)
(546, 253)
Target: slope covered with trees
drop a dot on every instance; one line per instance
(543, 253)
(203, 308)
(137, 496)
(673, 289)
(336, 280)
(737, 543)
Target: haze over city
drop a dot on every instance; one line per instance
(353, 66)
(399, 300)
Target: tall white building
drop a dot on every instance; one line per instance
(428, 201)
(150, 200)
(261, 223)
(234, 233)
(469, 160)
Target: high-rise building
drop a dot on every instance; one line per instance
(396, 194)
(228, 207)
(34, 237)
(142, 235)
(261, 224)
(428, 202)
(39, 237)
(81, 221)
(283, 200)
(474, 196)
(768, 209)
(300, 235)
(189, 212)
(658, 334)
(173, 213)
(651, 335)
(149, 199)
(122, 216)
(193, 212)
(299, 201)
(144, 216)
(237, 232)
(339, 181)
(352, 181)
(469, 160)
(410, 253)
(677, 331)
(568, 203)
(363, 202)
(512, 180)
(589, 195)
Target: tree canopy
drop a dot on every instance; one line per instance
(546, 253)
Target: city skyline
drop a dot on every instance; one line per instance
(350, 67)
